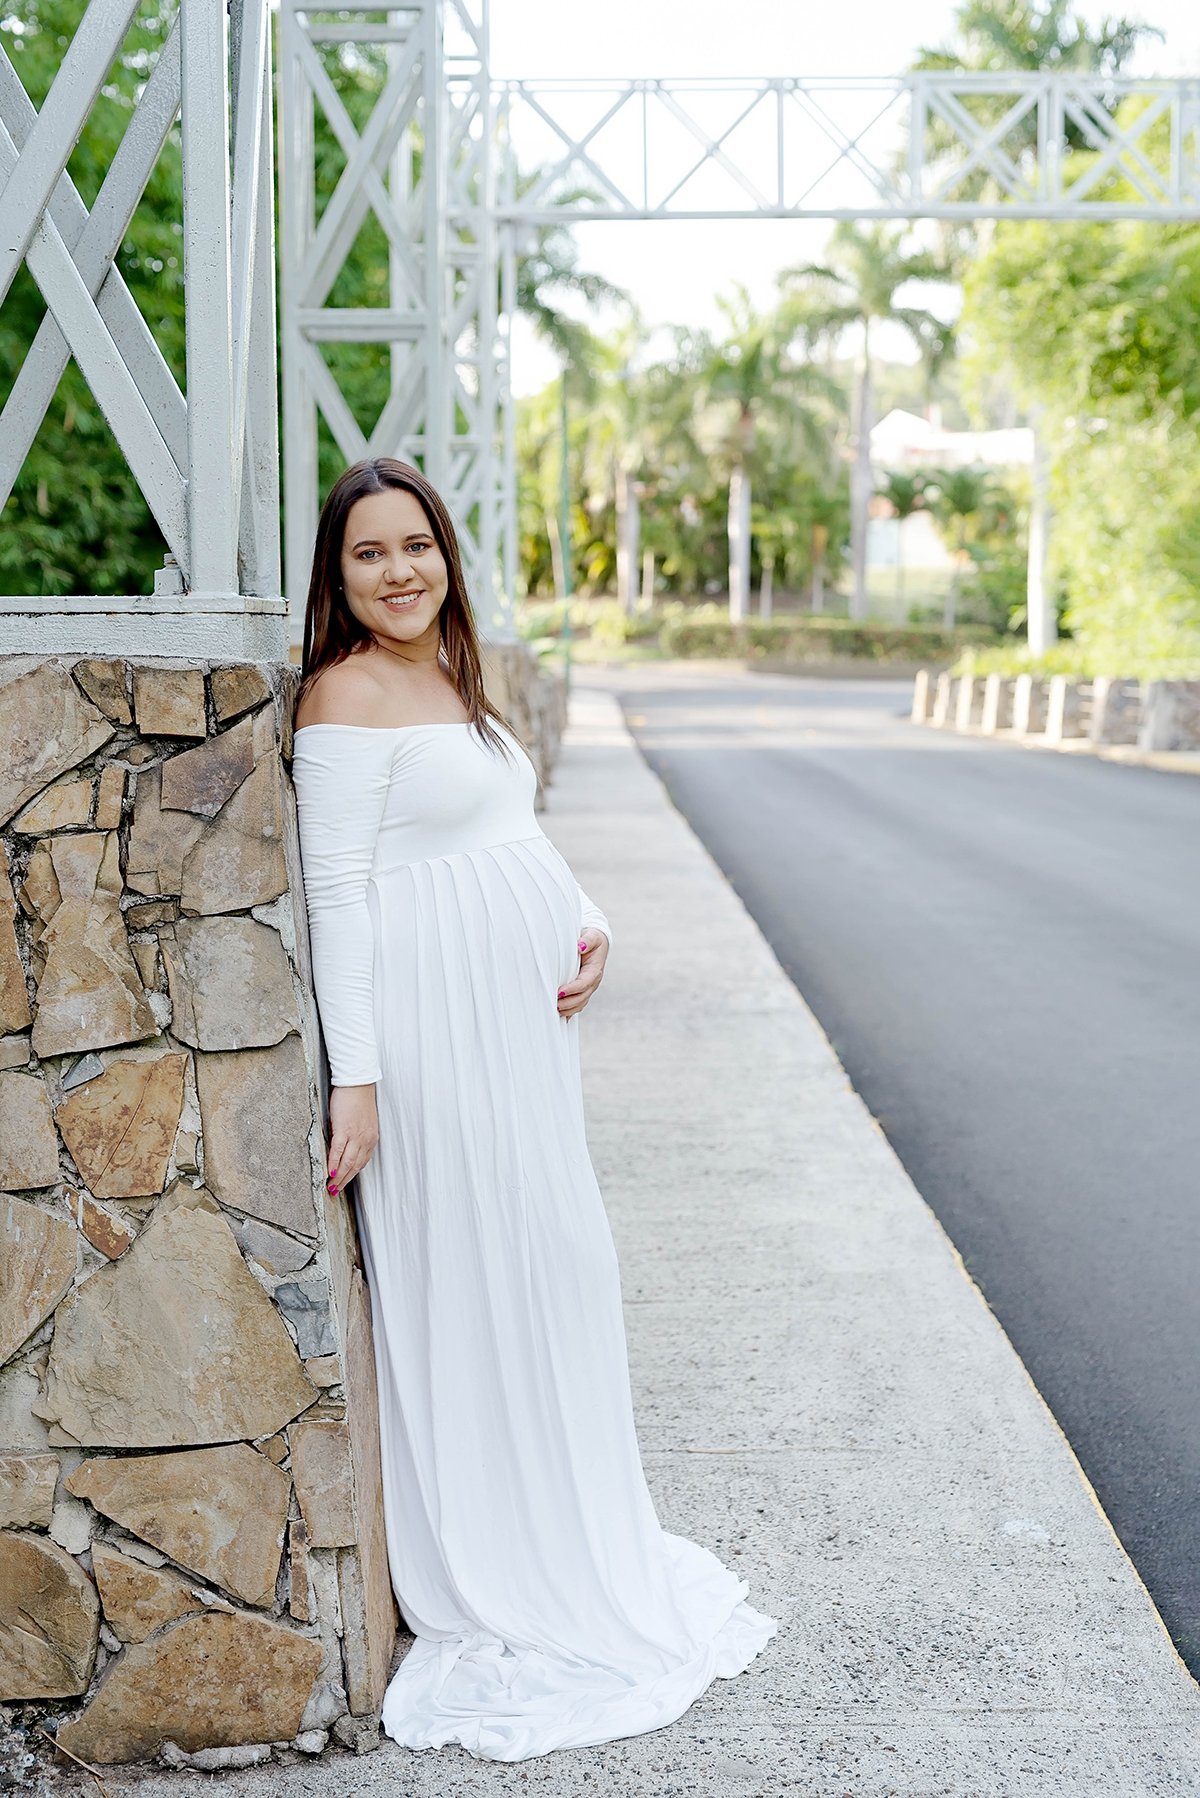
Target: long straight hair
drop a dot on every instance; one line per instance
(332, 632)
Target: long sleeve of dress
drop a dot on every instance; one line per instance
(341, 776)
(593, 918)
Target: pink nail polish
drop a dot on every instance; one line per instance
(562, 995)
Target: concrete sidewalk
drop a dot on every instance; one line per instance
(823, 1398)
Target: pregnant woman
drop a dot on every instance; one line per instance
(453, 952)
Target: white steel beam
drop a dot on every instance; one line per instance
(93, 240)
(207, 464)
(423, 163)
(940, 144)
(88, 58)
(260, 572)
(213, 490)
(82, 327)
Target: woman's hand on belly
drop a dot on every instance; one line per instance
(574, 994)
(353, 1133)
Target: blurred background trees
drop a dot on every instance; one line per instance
(736, 467)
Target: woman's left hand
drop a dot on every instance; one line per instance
(593, 953)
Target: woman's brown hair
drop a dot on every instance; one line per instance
(332, 632)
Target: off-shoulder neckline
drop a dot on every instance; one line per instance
(386, 729)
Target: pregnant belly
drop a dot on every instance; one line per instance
(481, 939)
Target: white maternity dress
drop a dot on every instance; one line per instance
(549, 1606)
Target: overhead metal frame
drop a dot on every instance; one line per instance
(206, 464)
(437, 163)
(927, 145)
(827, 148)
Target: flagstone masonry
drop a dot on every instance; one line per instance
(192, 1548)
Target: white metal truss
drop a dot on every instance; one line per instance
(205, 464)
(929, 145)
(422, 163)
(458, 170)
(951, 145)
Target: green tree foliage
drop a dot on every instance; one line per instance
(1022, 34)
(997, 35)
(75, 521)
(975, 514)
(1100, 325)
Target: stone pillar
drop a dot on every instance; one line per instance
(1067, 708)
(534, 701)
(1170, 715)
(943, 699)
(922, 697)
(1116, 710)
(968, 702)
(191, 1530)
(1030, 697)
(997, 713)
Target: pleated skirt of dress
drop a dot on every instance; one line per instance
(550, 1607)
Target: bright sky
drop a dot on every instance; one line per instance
(675, 270)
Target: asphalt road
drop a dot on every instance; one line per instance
(1003, 946)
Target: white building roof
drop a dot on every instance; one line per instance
(905, 440)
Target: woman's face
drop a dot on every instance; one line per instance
(393, 571)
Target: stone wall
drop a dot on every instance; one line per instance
(192, 1553)
(191, 1550)
(534, 702)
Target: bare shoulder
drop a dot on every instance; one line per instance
(347, 693)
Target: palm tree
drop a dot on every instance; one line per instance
(1023, 34)
(752, 377)
(548, 271)
(620, 428)
(855, 289)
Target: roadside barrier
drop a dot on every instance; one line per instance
(1109, 710)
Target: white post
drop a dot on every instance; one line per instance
(297, 225)
(767, 586)
(861, 482)
(493, 596)
(628, 536)
(258, 546)
(508, 413)
(739, 545)
(214, 484)
(435, 119)
(1041, 626)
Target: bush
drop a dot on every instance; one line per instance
(536, 619)
(603, 621)
(992, 596)
(1071, 656)
(708, 631)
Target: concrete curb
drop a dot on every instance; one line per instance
(823, 1398)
